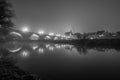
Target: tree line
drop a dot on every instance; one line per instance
(6, 15)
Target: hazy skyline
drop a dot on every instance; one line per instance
(55, 15)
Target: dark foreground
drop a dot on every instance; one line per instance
(9, 71)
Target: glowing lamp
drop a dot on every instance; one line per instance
(41, 32)
(25, 29)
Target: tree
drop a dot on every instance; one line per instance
(6, 15)
(79, 35)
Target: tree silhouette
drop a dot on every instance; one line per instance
(6, 15)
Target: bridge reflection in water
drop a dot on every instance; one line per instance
(25, 48)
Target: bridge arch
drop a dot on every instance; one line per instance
(15, 35)
(34, 37)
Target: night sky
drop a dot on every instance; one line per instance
(63, 15)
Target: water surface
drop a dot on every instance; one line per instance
(52, 61)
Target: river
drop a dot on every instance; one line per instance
(52, 61)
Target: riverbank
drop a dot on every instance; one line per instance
(94, 42)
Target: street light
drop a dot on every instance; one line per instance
(25, 29)
(41, 32)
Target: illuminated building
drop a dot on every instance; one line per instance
(51, 34)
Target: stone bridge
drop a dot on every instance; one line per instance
(19, 35)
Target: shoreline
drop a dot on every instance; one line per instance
(97, 42)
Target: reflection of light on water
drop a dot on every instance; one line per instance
(0, 56)
(57, 46)
(13, 46)
(16, 50)
(51, 48)
(34, 46)
(25, 53)
(63, 45)
(70, 46)
(40, 50)
(47, 45)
